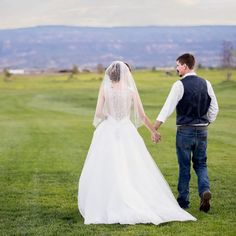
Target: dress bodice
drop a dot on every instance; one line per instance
(119, 103)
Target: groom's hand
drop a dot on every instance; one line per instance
(156, 137)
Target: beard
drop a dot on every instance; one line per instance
(180, 75)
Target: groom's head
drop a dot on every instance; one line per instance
(184, 64)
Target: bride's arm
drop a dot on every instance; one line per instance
(155, 136)
(149, 125)
(99, 115)
(100, 104)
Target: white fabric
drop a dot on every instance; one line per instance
(119, 99)
(176, 94)
(214, 108)
(120, 182)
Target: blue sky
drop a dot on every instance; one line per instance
(25, 13)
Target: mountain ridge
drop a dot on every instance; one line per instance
(63, 46)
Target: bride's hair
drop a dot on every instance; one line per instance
(121, 100)
(128, 66)
(114, 72)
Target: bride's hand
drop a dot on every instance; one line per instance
(156, 137)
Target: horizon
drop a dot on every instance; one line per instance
(126, 26)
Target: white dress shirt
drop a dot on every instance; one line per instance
(176, 94)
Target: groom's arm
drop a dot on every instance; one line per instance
(157, 124)
(213, 108)
(176, 93)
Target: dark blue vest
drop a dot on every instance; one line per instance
(193, 106)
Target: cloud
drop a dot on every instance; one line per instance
(188, 2)
(115, 13)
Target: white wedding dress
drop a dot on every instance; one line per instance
(120, 182)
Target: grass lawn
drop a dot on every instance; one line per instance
(45, 132)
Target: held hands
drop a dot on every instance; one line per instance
(156, 137)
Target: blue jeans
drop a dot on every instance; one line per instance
(191, 143)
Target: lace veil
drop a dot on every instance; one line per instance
(118, 96)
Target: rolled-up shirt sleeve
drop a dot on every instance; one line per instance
(176, 93)
(213, 108)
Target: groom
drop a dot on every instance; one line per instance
(196, 107)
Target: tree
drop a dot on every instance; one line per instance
(227, 58)
(7, 75)
(153, 69)
(75, 70)
(200, 66)
(74, 73)
(100, 68)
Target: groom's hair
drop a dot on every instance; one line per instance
(187, 59)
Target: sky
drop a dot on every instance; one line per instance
(109, 13)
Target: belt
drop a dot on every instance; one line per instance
(192, 127)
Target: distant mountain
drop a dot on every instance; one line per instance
(62, 46)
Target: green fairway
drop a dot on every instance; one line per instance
(45, 132)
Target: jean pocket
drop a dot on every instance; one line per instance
(183, 140)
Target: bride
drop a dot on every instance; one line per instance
(120, 182)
